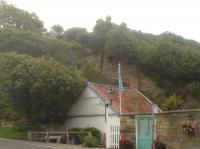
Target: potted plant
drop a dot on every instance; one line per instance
(158, 144)
(124, 143)
(189, 127)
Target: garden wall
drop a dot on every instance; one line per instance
(6, 124)
(127, 127)
(169, 128)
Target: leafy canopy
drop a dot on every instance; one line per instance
(57, 31)
(12, 17)
(41, 89)
(35, 45)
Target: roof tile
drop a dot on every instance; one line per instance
(131, 102)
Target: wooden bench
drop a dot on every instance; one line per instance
(49, 138)
(38, 139)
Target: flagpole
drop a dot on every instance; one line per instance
(120, 98)
(120, 94)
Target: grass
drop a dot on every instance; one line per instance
(10, 133)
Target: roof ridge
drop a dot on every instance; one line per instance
(102, 84)
(107, 85)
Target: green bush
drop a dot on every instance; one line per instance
(95, 132)
(90, 141)
(76, 129)
(171, 103)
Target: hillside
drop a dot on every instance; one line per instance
(157, 73)
(132, 77)
(164, 67)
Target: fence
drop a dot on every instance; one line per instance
(113, 132)
(57, 136)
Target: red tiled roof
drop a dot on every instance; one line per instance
(132, 100)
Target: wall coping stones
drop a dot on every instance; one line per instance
(179, 111)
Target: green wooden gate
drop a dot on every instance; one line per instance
(144, 132)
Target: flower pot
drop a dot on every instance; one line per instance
(124, 146)
(189, 132)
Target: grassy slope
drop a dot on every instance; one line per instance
(12, 134)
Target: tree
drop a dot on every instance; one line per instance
(119, 44)
(77, 34)
(100, 35)
(41, 89)
(57, 30)
(12, 17)
(7, 111)
(33, 44)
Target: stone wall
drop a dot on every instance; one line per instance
(127, 127)
(170, 131)
(6, 124)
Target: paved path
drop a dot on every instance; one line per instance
(13, 144)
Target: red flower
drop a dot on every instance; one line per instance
(124, 141)
(190, 127)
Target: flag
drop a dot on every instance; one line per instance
(121, 88)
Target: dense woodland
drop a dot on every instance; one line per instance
(42, 70)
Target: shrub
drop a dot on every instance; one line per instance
(172, 103)
(81, 136)
(76, 129)
(90, 141)
(95, 132)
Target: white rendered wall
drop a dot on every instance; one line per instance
(97, 122)
(88, 110)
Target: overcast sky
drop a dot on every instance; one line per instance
(151, 16)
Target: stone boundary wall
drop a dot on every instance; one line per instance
(127, 127)
(6, 124)
(169, 129)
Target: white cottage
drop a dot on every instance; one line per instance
(89, 110)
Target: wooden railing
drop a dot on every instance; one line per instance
(47, 136)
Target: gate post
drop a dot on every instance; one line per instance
(107, 130)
